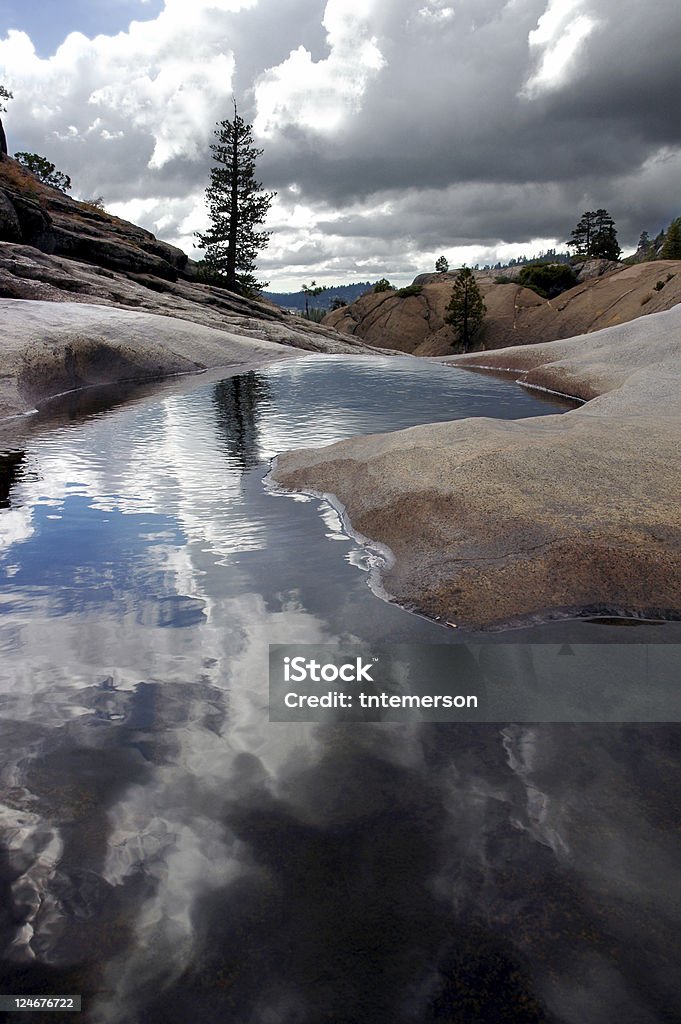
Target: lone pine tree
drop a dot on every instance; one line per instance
(466, 308)
(237, 204)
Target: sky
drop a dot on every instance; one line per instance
(393, 132)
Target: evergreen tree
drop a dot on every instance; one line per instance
(441, 265)
(44, 170)
(643, 247)
(671, 250)
(311, 291)
(581, 236)
(237, 205)
(595, 236)
(604, 245)
(5, 94)
(466, 308)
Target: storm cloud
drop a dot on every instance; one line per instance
(392, 132)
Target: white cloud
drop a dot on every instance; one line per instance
(322, 94)
(558, 37)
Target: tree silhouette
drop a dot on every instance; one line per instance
(595, 236)
(237, 205)
(671, 250)
(310, 291)
(466, 308)
(44, 170)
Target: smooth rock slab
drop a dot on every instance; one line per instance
(493, 521)
(47, 348)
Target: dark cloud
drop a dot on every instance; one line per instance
(460, 130)
(449, 110)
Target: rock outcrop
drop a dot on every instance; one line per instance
(49, 220)
(494, 521)
(607, 294)
(88, 298)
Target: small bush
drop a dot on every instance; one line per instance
(547, 280)
(206, 274)
(411, 289)
(659, 285)
(44, 170)
(383, 285)
(503, 279)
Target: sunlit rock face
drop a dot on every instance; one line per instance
(605, 294)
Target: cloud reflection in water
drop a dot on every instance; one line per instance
(169, 848)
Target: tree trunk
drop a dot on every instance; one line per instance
(233, 212)
(3, 141)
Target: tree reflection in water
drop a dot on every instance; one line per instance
(10, 465)
(239, 402)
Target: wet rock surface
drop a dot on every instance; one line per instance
(494, 522)
(87, 298)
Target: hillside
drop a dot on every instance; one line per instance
(296, 300)
(607, 294)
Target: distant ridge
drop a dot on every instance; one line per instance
(296, 300)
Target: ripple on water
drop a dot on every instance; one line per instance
(209, 863)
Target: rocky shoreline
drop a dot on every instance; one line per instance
(49, 348)
(87, 298)
(491, 522)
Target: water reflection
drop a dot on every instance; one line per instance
(10, 464)
(239, 403)
(170, 854)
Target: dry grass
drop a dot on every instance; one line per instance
(13, 174)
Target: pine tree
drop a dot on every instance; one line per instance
(311, 291)
(604, 244)
(466, 307)
(671, 250)
(237, 205)
(595, 236)
(441, 265)
(643, 247)
(581, 236)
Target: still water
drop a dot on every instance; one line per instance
(172, 856)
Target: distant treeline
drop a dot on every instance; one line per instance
(549, 256)
(344, 293)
